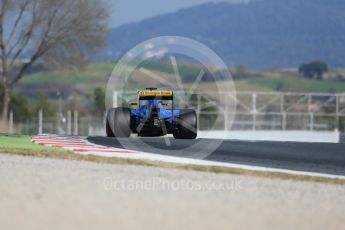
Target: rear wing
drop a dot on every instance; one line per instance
(155, 94)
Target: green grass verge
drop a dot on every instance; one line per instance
(22, 146)
(23, 142)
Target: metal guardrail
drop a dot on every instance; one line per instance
(261, 110)
(241, 111)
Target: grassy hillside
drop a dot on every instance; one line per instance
(94, 75)
(293, 84)
(80, 84)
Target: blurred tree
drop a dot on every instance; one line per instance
(341, 124)
(42, 102)
(240, 72)
(315, 69)
(19, 105)
(280, 86)
(33, 30)
(339, 77)
(99, 100)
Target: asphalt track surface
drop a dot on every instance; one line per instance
(308, 157)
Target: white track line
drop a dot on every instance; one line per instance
(181, 160)
(82, 146)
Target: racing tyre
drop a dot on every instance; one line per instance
(187, 125)
(118, 122)
(108, 129)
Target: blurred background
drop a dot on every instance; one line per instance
(286, 59)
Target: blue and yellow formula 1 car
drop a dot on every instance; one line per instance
(153, 116)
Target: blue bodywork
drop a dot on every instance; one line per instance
(144, 112)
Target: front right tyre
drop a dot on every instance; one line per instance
(186, 125)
